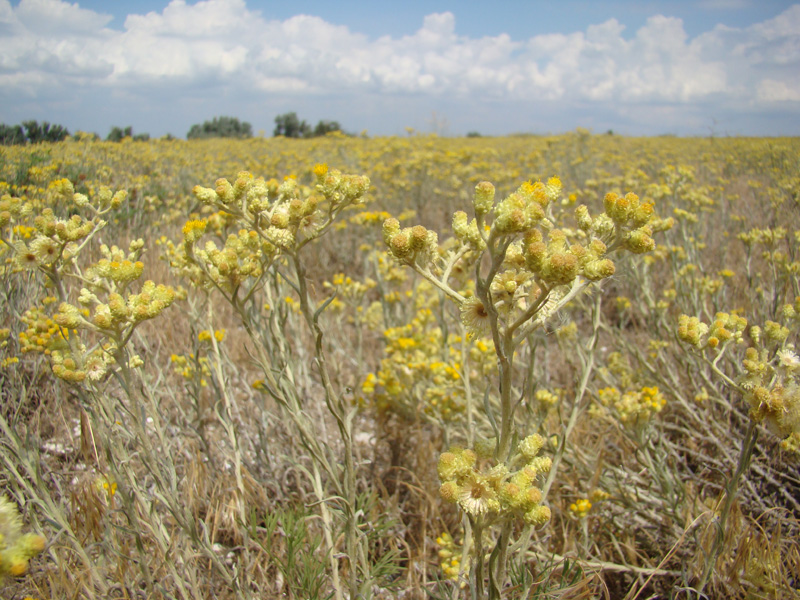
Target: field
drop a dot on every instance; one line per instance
(522, 367)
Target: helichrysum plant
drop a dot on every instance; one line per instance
(266, 225)
(84, 336)
(766, 378)
(768, 371)
(527, 262)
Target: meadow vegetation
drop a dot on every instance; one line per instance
(422, 367)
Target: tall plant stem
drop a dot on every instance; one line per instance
(745, 456)
(339, 412)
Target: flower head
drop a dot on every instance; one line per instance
(475, 317)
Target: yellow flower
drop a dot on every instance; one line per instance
(475, 317)
(320, 170)
(25, 258)
(580, 508)
(477, 496)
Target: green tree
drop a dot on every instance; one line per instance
(324, 127)
(289, 125)
(221, 127)
(45, 132)
(117, 134)
(11, 134)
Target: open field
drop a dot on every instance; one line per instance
(351, 368)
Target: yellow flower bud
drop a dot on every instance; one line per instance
(484, 198)
(537, 516)
(598, 269)
(449, 491)
(530, 446)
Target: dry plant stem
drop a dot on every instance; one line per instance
(633, 593)
(339, 411)
(328, 528)
(165, 479)
(227, 423)
(602, 565)
(466, 549)
(577, 406)
(467, 387)
(746, 454)
(140, 407)
(309, 441)
(503, 343)
(102, 412)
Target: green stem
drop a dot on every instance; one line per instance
(477, 572)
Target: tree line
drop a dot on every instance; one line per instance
(287, 125)
(31, 132)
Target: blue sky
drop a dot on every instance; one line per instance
(639, 68)
(518, 18)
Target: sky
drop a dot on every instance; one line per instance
(647, 67)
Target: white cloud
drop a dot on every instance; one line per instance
(778, 91)
(52, 44)
(54, 17)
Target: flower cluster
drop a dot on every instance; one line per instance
(274, 219)
(414, 374)
(768, 371)
(490, 491)
(206, 335)
(580, 508)
(42, 334)
(726, 328)
(538, 261)
(110, 308)
(56, 240)
(349, 291)
(635, 407)
(81, 340)
(192, 368)
(410, 245)
(449, 556)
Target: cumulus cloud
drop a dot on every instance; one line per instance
(51, 44)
